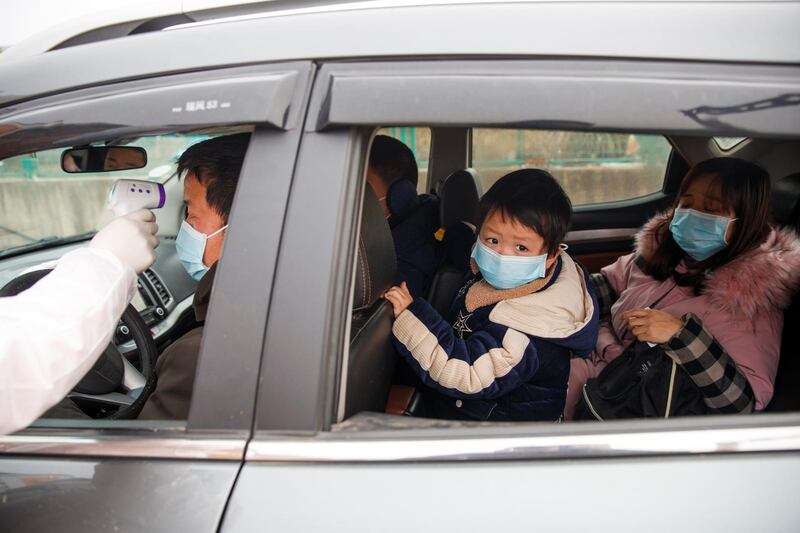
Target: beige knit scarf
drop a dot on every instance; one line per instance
(482, 293)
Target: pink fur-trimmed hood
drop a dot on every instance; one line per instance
(759, 280)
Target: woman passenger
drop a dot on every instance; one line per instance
(708, 283)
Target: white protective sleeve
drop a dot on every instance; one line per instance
(52, 333)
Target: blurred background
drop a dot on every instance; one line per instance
(24, 18)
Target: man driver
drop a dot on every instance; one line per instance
(211, 171)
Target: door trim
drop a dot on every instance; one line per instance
(139, 447)
(448, 447)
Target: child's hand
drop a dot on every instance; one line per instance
(399, 297)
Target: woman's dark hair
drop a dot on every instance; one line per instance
(534, 199)
(216, 163)
(746, 190)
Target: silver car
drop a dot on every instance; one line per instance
(287, 429)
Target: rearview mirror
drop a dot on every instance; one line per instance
(103, 159)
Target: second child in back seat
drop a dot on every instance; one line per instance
(413, 218)
(504, 352)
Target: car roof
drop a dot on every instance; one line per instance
(127, 19)
(702, 31)
(156, 15)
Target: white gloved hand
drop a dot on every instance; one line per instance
(132, 238)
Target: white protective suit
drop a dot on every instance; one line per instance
(52, 333)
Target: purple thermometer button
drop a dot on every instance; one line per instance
(162, 195)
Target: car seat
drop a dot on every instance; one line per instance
(786, 397)
(459, 194)
(372, 358)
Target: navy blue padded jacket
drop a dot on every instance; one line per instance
(503, 354)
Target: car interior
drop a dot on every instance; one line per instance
(601, 232)
(75, 183)
(299, 385)
(616, 182)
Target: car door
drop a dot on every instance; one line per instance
(309, 468)
(161, 475)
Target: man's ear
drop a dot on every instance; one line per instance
(375, 181)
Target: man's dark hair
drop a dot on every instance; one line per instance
(216, 163)
(533, 198)
(392, 160)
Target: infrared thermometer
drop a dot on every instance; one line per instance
(127, 196)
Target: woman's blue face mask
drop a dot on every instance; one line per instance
(191, 246)
(508, 271)
(699, 234)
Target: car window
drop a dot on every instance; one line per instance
(419, 140)
(592, 168)
(46, 207)
(42, 203)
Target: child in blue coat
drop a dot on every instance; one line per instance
(526, 309)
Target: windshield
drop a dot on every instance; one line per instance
(40, 204)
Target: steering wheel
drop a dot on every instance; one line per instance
(113, 382)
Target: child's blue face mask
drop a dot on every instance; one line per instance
(191, 246)
(700, 235)
(508, 271)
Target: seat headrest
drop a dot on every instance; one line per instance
(786, 200)
(458, 195)
(376, 265)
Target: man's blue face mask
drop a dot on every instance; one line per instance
(191, 246)
(699, 234)
(508, 271)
